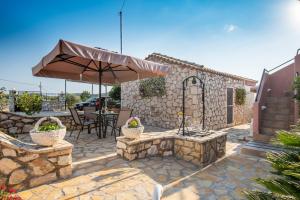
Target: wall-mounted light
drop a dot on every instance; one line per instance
(80, 76)
(194, 81)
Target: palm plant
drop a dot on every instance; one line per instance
(286, 183)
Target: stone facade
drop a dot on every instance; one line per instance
(200, 151)
(12, 123)
(25, 165)
(163, 111)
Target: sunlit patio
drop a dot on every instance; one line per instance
(98, 173)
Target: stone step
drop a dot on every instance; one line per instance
(278, 105)
(93, 164)
(268, 131)
(275, 124)
(271, 110)
(275, 117)
(259, 149)
(278, 99)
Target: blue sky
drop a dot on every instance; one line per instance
(235, 36)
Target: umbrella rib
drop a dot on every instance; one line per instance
(78, 64)
(131, 69)
(62, 59)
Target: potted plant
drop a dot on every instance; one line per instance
(49, 133)
(133, 128)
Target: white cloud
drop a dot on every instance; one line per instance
(230, 28)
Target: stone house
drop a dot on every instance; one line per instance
(221, 109)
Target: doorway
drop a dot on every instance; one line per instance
(229, 105)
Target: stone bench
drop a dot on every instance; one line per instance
(24, 165)
(200, 151)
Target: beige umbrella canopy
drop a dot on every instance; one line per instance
(81, 63)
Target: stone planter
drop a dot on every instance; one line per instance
(48, 138)
(133, 133)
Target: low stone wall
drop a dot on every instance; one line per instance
(132, 150)
(14, 123)
(25, 165)
(200, 151)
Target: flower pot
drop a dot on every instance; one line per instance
(133, 133)
(48, 138)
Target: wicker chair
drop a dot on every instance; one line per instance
(117, 124)
(79, 122)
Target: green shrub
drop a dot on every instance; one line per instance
(286, 185)
(71, 99)
(240, 96)
(85, 95)
(29, 103)
(133, 124)
(3, 99)
(49, 127)
(152, 87)
(115, 93)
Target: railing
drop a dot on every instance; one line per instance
(281, 64)
(267, 72)
(260, 84)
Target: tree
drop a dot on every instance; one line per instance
(3, 99)
(286, 185)
(71, 99)
(85, 95)
(115, 93)
(30, 103)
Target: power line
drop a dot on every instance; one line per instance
(18, 82)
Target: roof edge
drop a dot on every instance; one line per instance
(173, 60)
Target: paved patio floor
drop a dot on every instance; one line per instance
(116, 179)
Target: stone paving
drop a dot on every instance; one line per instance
(116, 179)
(89, 146)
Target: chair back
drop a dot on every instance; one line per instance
(88, 112)
(123, 116)
(75, 116)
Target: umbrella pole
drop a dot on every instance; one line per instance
(99, 117)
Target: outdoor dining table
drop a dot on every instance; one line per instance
(105, 117)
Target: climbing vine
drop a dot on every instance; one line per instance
(240, 96)
(152, 87)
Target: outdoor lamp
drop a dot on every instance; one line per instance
(80, 76)
(194, 81)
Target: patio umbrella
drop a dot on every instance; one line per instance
(94, 65)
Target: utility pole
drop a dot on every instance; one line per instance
(121, 46)
(65, 94)
(92, 89)
(40, 86)
(121, 26)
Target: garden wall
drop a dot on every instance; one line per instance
(14, 123)
(200, 151)
(25, 165)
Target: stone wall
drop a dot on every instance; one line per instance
(12, 123)
(162, 111)
(200, 151)
(145, 148)
(24, 166)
